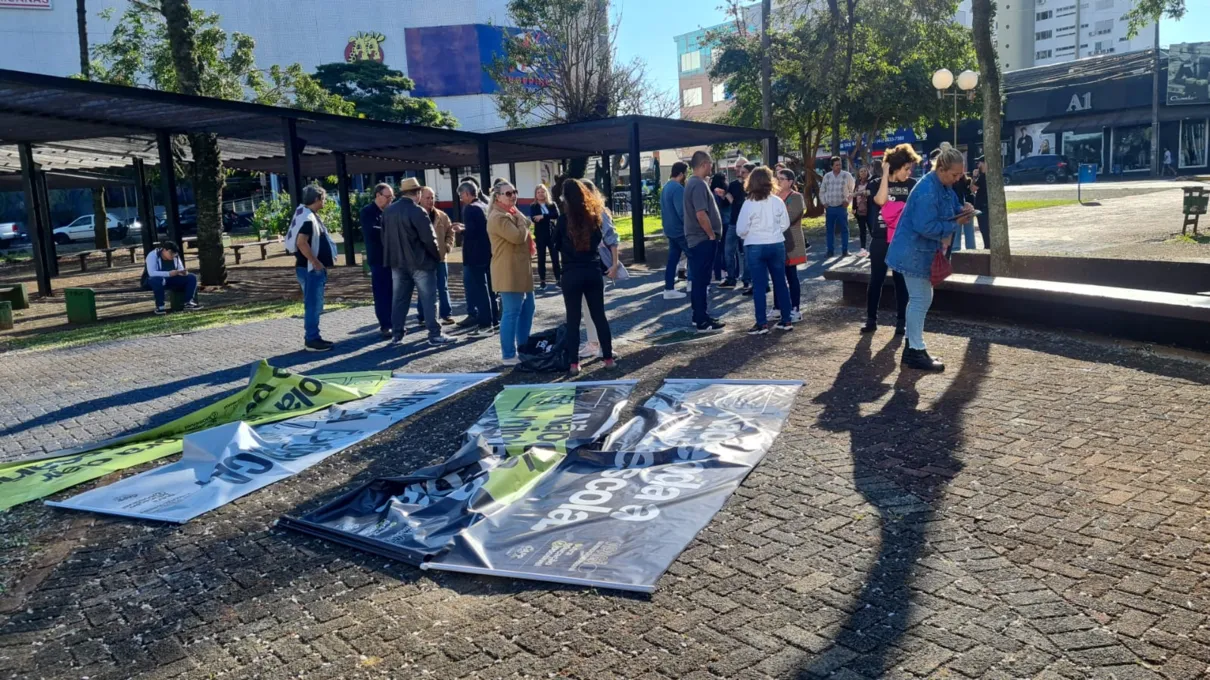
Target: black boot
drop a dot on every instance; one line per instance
(920, 360)
(900, 327)
(870, 326)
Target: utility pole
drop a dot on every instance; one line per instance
(1155, 104)
(766, 75)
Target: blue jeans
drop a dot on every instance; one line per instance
(516, 319)
(701, 257)
(480, 303)
(920, 298)
(969, 230)
(443, 293)
(768, 261)
(313, 284)
(676, 246)
(425, 284)
(380, 283)
(837, 221)
(732, 257)
(159, 284)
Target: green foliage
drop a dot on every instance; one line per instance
(1145, 12)
(273, 217)
(139, 54)
(381, 93)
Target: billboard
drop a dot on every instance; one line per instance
(25, 4)
(1030, 141)
(447, 61)
(1189, 73)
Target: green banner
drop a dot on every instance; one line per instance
(272, 394)
(530, 415)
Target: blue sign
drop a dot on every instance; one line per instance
(447, 61)
(884, 140)
(1088, 172)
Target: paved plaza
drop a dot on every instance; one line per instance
(1040, 510)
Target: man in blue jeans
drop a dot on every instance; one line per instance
(703, 223)
(482, 310)
(835, 192)
(165, 271)
(410, 250)
(672, 214)
(380, 274)
(313, 250)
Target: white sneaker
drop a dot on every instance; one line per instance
(863, 253)
(511, 362)
(795, 316)
(673, 295)
(590, 350)
(774, 315)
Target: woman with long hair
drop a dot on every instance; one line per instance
(512, 273)
(762, 224)
(861, 207)
(932, 217)
(544, 213)
(796, 243)
(888, 195)
(579, 237)
(609, 237)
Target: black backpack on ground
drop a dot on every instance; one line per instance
(544, 352)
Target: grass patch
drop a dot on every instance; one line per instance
(1025, 204)
(179, 322)
(652, 226)
(16, 257)
(1200, 239)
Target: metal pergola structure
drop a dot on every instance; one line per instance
(50, 126)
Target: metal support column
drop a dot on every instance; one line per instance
(485, 169)
(454, 192)
(293, 149)
(607, 184)
(346, 210)
(512, 174)
(34, 226)
(146, 209)
(636, 193)
(774, 152)
(172, 213)
(48, 237)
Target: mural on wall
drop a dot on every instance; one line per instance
(365, 47)
(1030, 141)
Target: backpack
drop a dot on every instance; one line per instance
(543, 353)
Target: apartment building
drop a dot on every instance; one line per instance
(1042, 32)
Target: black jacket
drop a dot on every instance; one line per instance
(408, 239)
(543, 228)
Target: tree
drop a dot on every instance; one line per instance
(562, 67)
(766, 74)
(100, 217)
(381, 93)
(984, 14)
(1145, 12)
(168, 46)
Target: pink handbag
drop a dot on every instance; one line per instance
(891, 212)
(941, 268)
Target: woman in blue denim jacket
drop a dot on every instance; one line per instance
(931, 218)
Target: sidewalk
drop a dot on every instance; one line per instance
(1039, 510)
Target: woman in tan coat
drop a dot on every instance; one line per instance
(796, 244)
(444, 230)
(512, 275)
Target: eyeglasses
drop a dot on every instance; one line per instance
(510, 194)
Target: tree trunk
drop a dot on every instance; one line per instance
(100, 221)
(207, 171)
(766, 76)
(985, 49)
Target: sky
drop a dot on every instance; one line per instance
(648, 27)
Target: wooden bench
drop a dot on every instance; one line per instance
(108, 252)
(1181, 319)
(264, 248)
(188, 241)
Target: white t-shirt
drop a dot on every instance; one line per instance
(763, 222)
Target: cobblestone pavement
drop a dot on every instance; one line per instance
(1039, 510)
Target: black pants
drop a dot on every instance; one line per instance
(589, 283)
(878, 270)
(985, 230)
(544, 244)
(863, 222)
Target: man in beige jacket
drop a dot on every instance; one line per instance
(444, 231)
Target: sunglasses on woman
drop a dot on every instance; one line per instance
(510, 194)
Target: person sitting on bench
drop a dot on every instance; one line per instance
(165, 271)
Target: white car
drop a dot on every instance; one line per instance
(81, 229)
(10, 233)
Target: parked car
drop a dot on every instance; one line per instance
(10, 234)
(81, 229)
(188, 217)
(1048, 168)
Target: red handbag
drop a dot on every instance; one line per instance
(941, 268)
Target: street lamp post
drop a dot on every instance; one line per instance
(943, 80)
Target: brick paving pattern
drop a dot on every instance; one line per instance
(1040, 510)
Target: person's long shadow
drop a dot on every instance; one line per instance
(903, 458)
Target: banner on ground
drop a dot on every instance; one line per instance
(618, 518)
(272, 394)
(522, 436)
(226, 462)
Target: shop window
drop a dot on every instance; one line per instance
(1084, 148)
(1193, 144)
(691, 97)
(1132, 149)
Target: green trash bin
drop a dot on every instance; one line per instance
(81, 305)
(16, 294)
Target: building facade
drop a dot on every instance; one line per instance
(1042, 32)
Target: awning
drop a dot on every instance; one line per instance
(1096, 122)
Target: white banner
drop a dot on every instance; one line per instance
(226, 462)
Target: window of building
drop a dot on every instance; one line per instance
(691, 61)
(1043, 16)
(1104, 27)
(1104, 4)
(691, 97)
(719, 93)
(1085, 148)
(715, 53)
(1065, 31)
(1043, 35)
(1042, 54)
(1132, 149)
(1193, 143)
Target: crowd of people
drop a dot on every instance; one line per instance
(747, 231)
